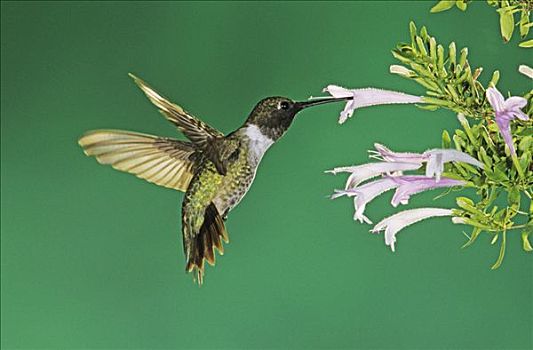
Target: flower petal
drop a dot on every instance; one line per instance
(514, 103)
(519, 114)
(366, 193)
(393, 224)
(495, 98)
(370, 170)
(452, 155)
(390, 156)
(505, 131)
(338, 91)
(366, 97)
(413, 184)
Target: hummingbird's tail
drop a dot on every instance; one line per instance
(201, 246)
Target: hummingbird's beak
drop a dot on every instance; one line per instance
(319, 101)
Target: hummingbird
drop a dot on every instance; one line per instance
(214, 170)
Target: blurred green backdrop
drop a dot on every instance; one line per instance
(92, 258)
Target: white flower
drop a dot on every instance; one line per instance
(368, 97)
(367, 171)
(435, 158)
(365, 193)
(393, 224)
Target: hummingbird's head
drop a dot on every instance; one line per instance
(274, 115)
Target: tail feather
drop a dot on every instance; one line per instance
(201, 247)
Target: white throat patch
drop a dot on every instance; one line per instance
(259, 142)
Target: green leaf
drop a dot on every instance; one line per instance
(482, 154)
(437, 101)
(398, 55)
(462, 58)
(513, 198)
(526, 143)
(475, 223)
(428, 107)
(506, 23)
(525, 160)
(446, 141)
(424, 34)
(428, 84)
(440, 61)
(421, 46)
(495, 78)
(475, 233)
(433, 50)
(442, 5)
(452, 51)
(468, 205)
(527, 43)
(502, 252)
(526, 245)
(524, 21)
(412, 32)
(461, 5)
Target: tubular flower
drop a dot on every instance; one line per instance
(405, 187)
(368, 97)
(393, 224)
(360, 173)
(506, 110)
(435, 158)
(413, 184)
(366, 193)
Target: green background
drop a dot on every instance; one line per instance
(92, 258)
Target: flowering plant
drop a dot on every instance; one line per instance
(507, 9)
(491, 154)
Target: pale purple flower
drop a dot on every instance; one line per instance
(360, 173)
(366, 97)
(506, 110)
(413, 184)
(366, 193)
(393, 224)
(435, 158)
(405, 187)
(384, 153)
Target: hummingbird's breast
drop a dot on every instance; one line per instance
(226, 191)
(241, 172)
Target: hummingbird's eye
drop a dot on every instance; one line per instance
(283, 105)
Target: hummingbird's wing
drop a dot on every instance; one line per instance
(160, 160)
(221, 151)
(212, 142)
(199, 244)
(193, 128)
